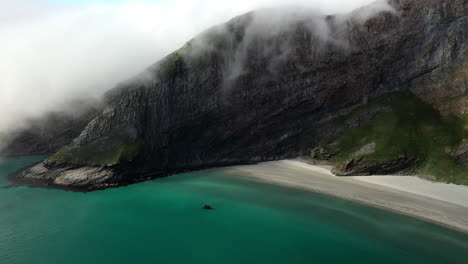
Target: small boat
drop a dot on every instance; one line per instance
(207, 207)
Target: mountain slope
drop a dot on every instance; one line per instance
(409, 137)
(48, 134)
(265, 86)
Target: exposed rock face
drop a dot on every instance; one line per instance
(248, 96)
(462, 152)
(320, 154)
(361, 167)
(366, 149)
(364, 117)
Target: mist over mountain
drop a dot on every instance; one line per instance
(377, 90)
(54, 52)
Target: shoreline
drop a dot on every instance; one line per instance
(440, 203)
(450, 210)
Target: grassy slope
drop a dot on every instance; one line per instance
(92, 155)
(412, 128)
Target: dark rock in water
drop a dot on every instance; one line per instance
(237, 101)
(207, 207)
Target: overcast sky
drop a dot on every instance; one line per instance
(55, 50)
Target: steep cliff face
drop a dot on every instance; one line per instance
(251, 91)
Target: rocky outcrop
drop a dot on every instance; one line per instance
(362, 167)
(244, 93)
(461, 153)
(320, 154)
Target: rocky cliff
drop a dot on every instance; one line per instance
(268, 85)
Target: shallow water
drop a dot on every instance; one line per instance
(161, 221)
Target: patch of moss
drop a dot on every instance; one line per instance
(171, 62)
(465, 121)
(412, 128)
(92, 155)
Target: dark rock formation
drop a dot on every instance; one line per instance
(461, 152)
(245, 92)
(320, 154)
(362, 167)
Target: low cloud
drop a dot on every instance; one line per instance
(52, 52)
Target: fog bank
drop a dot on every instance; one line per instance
(53, 52)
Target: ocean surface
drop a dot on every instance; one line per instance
(161, 221)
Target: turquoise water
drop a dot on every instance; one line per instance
(161, 221)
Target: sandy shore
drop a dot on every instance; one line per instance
(440, 203)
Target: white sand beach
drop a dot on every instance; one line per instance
(441, 203)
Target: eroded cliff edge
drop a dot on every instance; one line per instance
(240, 93)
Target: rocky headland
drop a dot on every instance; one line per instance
(362, 87)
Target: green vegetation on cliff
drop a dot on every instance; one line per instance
(94, 155)
(171, 63)
(412, 129)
